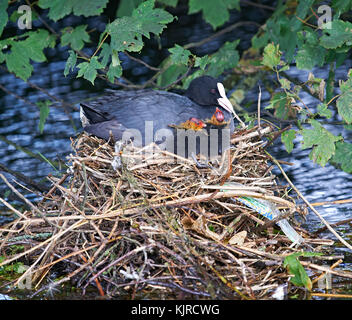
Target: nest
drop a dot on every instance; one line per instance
(158, 226)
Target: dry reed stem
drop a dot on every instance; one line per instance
(152, 226)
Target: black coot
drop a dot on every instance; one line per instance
(146, 115)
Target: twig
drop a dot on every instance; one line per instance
(219, 33)
(27, 201)
(259, 101)
(141, 62)
(40, 187)
(258, 5)
(309, 205)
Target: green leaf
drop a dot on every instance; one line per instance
(105, 54)
(125, 35)
(226, 57)
(342, 5)
(70, 63)
(59, 9)
(18, 59)
(271, 56)
(323, 110)
(309, 56)
(336, 34)
(344, 102)
(126, 32)
(75, 37)
(126, 7)
(44, 113)
(260, 41)
(294, 267)
(202, 62)
(115, 70)
(321, 140)
(179, 55)
(151, 20)
(285, 84)
(214, 12)
(171, 74)
(89, 69)
(343, 156)
(287, 138)
(301, 12)
(3, 15)
(330, 83)
(281, 103)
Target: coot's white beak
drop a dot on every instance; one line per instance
(223, 101)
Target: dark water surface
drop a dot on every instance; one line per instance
(19, 120)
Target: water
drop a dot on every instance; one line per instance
(19, 120)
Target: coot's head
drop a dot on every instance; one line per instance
(207, 91)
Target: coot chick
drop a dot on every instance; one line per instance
(145, 116)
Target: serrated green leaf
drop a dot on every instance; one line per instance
(126, 32)
(343, 156)
(309, 56)
(70, 63)
(89, 69)
(321, 140)
(214, 12)
(125, 35)
(202, 62)
(22, 51)
(302, 10)
(105, 54)
(226, 57)
(115, 70)
(18, 63)
(285, 84)
(336, 34)
(59, 9)
(271, 56)
(3, 15)
(260, 41)
(171, 74)
(344, 102)
(342, 5)
(76, 37)
(150, 19)
(88, 8)
(323, 110)
(287, 138)
(179, 55)
(280, 102)
(44, 113)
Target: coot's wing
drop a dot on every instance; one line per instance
(103, 129)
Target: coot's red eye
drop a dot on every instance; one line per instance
(213, 91)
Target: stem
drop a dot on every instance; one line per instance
(308, 203)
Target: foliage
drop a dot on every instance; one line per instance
(294, 35)
(292, 38)
(295, 268)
